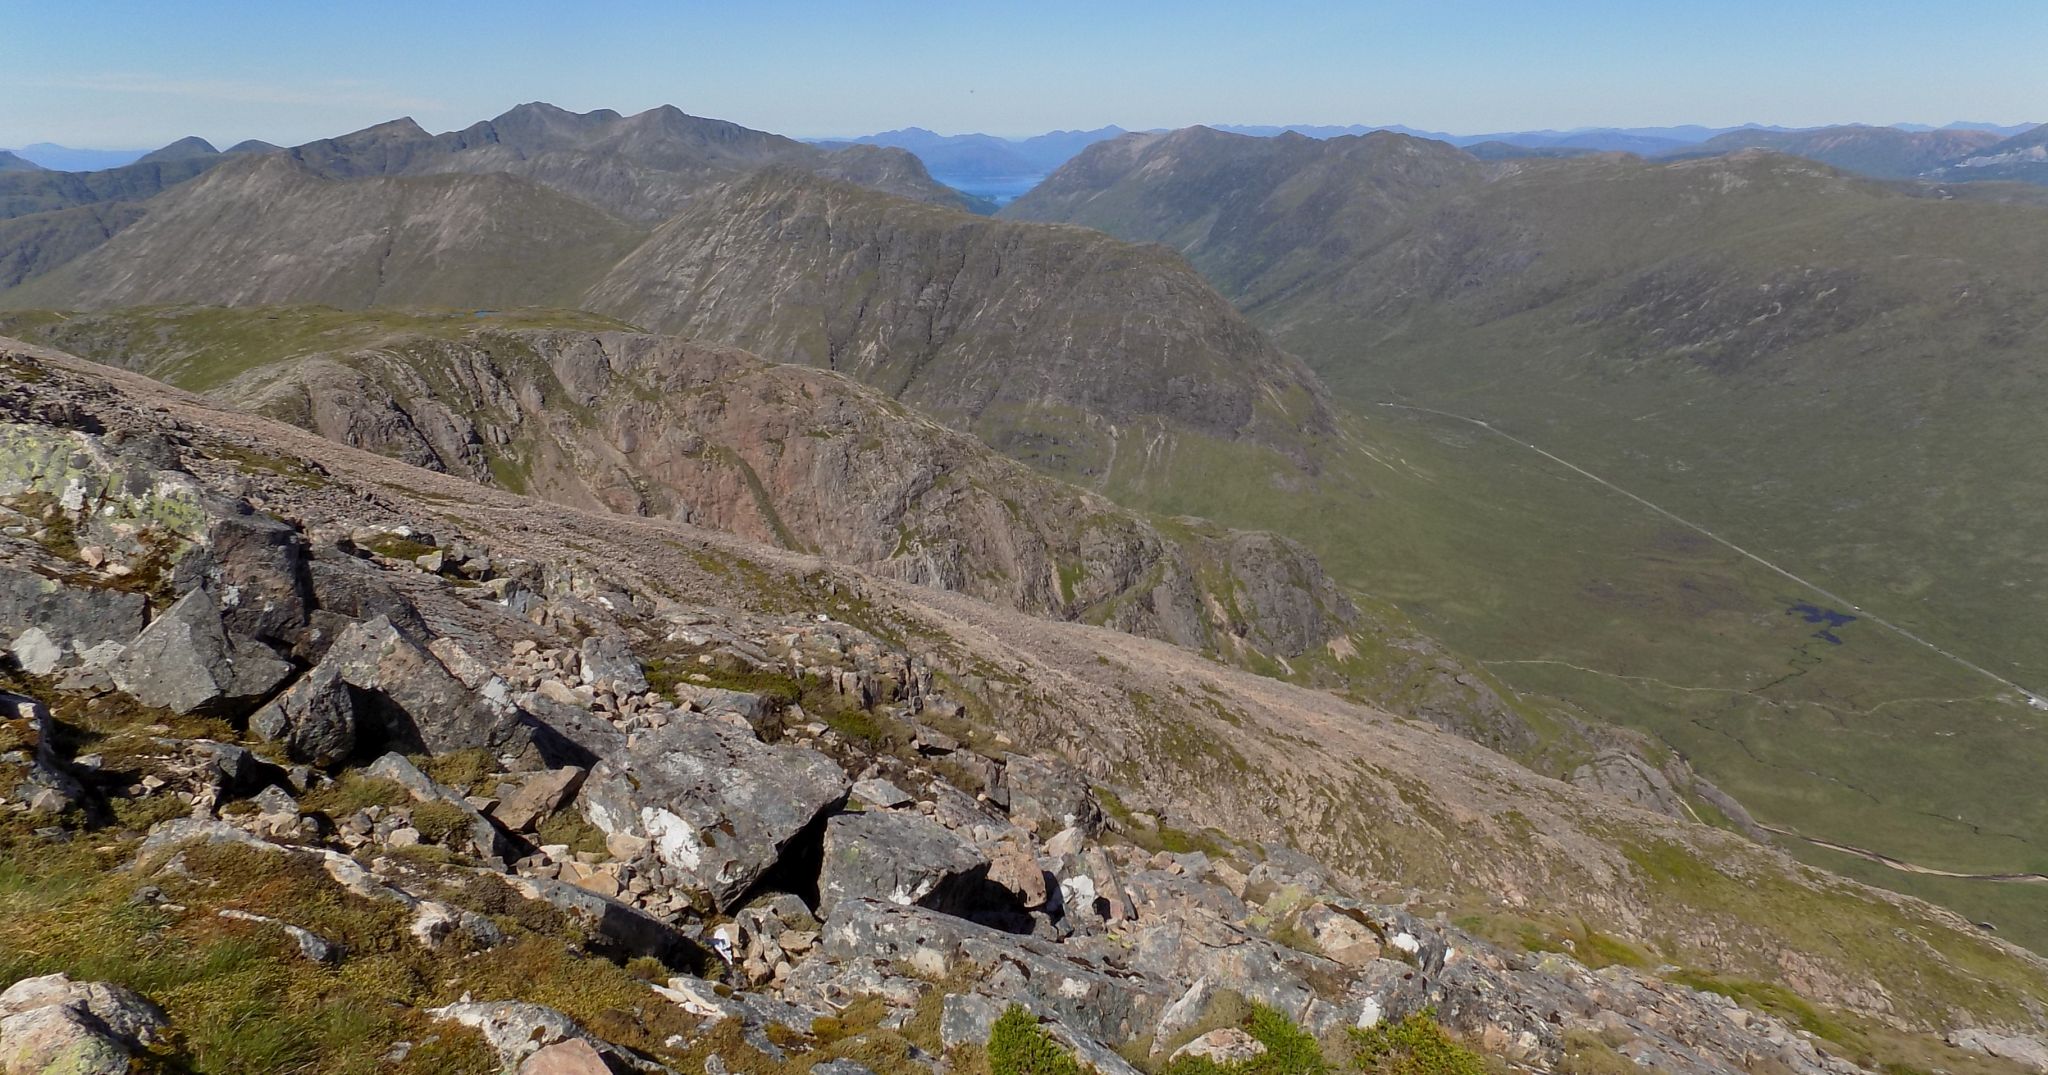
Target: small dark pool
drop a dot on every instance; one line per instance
(1829, 619)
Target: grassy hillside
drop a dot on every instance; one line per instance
(1839, 376)
(1586, 604)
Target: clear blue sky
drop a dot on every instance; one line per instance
(119, 74)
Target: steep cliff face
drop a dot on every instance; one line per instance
(1012, 331)
(805, 459)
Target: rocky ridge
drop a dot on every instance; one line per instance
(807, 459)
(347, 664)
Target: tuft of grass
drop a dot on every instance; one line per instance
(570, 827)
(466, 771)
(437, 821)
(1017, 1045)
(1416, 1045)
(351, 792)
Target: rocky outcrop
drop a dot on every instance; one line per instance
(661, 426)
(376, 685)
(897, 858)
(186, 661)
(712, 825)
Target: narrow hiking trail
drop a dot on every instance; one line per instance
(1901, 865)
(2034, 698)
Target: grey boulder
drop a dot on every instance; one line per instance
(52, 1023)
(50, 627)
(718, 805)
(609, 662)
(902, 859)
(1047, 797)
(375, 679)
(187, 661)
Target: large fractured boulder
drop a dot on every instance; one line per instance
(374, 679)
(257, 564)
(187, 661)
(718, 805)
(315, 719)
(898, 858)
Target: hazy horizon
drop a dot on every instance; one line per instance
(135, 75)
(225, 142)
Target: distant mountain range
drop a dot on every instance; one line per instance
(975, 159)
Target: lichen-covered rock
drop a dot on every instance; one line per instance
(53, 1024)
(516, 1030)
(59, 1040)
(718, 805)
(898, 858)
